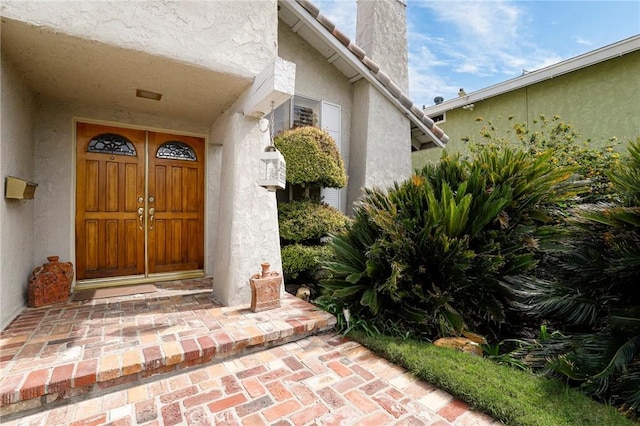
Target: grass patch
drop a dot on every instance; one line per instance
(512, 396)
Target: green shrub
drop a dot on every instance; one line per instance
(591, 159)
(301, 263)
(308, 222)
(312, 158)
(430, 254)
(593, 297)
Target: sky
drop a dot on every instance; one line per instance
(476, 44)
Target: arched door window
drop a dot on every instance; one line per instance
(111, 143)
(176, 150)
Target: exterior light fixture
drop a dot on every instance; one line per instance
(273, 172)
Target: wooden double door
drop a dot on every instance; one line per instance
(139, 202)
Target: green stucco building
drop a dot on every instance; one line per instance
(598, 93)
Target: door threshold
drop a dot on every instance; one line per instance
(136, 279)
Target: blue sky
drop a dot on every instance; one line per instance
(476, 44)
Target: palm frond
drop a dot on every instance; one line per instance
(621, 359)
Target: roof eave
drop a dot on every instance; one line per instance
(364, 72)
(605, 53)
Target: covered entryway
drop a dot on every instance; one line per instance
(139, 204)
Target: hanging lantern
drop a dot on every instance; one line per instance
(273, 175)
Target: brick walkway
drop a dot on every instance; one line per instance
(322, 380)
(177, 357)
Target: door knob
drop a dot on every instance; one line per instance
(141, 217)
(151, 213)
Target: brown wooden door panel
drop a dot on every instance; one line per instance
(109, 238)
(176, 239)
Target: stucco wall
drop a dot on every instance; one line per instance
(55, 169)
(244, 31)
(248, 233)
(214, 176)
(318, 79)
(381, 148)
(600, 101)
(16, 217)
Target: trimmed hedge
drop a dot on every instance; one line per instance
(301, 263)
(309, 221)
(312, 158)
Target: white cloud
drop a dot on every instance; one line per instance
(477, 41)
(455, 44)
(424, 79)
(583, 41)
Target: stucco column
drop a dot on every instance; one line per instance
(380, 142)
(247, 230)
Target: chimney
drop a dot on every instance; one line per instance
(381, 30)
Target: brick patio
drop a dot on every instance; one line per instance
(177, 357)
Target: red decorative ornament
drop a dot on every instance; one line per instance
(50, 283)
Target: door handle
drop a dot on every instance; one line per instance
(141, 217)
(151, 213)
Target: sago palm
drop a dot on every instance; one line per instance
(429, 254)
(594, 297)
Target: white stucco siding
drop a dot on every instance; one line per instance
(55, 169)
(214, 176)
(236, 37)
(16, 159)
(389, 143)
(318, 79)
(360, 132)
(248, 233)
(381, 142)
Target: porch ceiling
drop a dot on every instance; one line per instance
(71, 69)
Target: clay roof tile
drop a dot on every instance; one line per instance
(356, 50)
(311, 8)
(326, 22)
(342, 37)
(384, 79)
(405, 101)
(370, 64)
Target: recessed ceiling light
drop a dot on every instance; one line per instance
(148, 95)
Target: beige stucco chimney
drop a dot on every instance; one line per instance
(380, 149)
(381, 30)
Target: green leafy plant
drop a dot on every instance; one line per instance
(312, 158)
(302, 263)
(313, 161)
(308, 221)
(430, 253)
(590, 159)
(594, 297)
